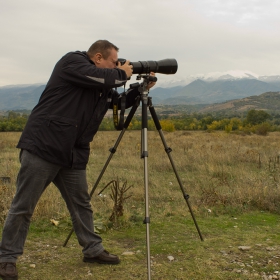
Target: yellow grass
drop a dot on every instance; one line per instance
(221, 173)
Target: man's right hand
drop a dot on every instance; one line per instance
(127, 68)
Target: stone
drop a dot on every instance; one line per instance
(170, 258)
(244, 248)
(128, 253)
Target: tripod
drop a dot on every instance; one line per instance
(146, 103)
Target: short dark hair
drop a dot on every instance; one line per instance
(101, 46)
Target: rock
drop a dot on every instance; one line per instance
(270, 249)
(128, 253)
(244, 248)
(170, 258)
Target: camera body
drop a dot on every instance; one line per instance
(164, 66)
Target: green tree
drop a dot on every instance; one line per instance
(13, 115)
(257, 117)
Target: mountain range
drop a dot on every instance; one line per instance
(20, 97)
(201, 90)
(172, 81)
(208, 92)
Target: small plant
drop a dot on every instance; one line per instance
(99, 226)
(118, 196)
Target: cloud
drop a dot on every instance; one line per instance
(203, 35)
(250, 13)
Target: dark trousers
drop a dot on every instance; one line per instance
(34, 176)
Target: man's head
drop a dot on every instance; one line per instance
(104, 54)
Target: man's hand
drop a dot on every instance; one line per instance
(151, 84)
(127, 68)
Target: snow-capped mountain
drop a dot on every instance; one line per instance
(268, 79)
(208, 88)
(229, 75)
(171, 81)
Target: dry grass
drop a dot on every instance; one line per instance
(222, 172)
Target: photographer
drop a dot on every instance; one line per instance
(55, 147)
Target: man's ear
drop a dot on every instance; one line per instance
(97, 58)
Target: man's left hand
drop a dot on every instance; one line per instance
(151, 84)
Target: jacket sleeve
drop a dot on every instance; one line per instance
(76, 69)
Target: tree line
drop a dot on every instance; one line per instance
(255, 121)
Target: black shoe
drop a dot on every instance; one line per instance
(104, 258)
(8, 271)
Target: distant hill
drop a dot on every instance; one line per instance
(20, 97)
(200, 91)
(268, 101)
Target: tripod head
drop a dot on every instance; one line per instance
(143, 87)
(147, 77)
(143, 93)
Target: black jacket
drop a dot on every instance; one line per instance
(70, 110)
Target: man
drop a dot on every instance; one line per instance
(55, 148)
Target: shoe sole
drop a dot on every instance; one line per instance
(91, 260)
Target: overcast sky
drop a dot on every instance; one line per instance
(204, 36)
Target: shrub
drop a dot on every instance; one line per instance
(262, 129)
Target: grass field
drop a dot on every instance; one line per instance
(233, 183)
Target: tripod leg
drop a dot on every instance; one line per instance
(112, 150)
(145, 157)
(168, 151)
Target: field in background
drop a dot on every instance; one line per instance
(221, 172)
(226, 176)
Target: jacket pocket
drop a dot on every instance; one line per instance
(61, 122)
(58, 136)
